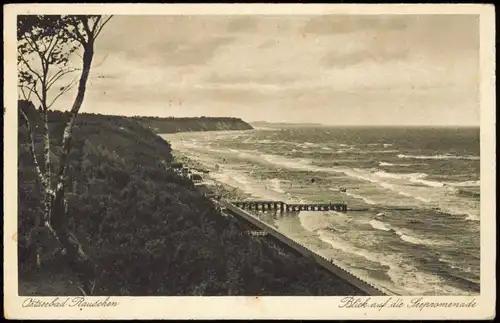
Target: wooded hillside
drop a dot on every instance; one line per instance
(172, 125)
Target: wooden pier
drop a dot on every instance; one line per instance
(281, 206)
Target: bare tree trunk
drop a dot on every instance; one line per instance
(41, 177)
(31, 144)
(48, 176)
(46, 148)
(76, 258)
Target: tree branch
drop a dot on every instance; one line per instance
(65, 90)
(96, 24)
(102, 61)
(30, 68)
(85, 23)
(33, 90)
(102, 25)
(58, 75)
(50, 48)
(75, 35)
(33, 45)
(25, 97)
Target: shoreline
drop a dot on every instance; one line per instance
(290, 226)
(224, 190)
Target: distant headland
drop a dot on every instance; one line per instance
(172, 125)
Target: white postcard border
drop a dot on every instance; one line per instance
(253, 307)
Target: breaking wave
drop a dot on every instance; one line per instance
(357, 196)
(276, 185)
(390, 164)
(437, 157)
(405, 236)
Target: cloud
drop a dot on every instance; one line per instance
(267, 43)
(340, 24)
(368, 53)
(241, 24)
(177, 53)
(245, 79)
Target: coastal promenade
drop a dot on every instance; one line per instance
(341, 273)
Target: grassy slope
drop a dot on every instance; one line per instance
(149, 231)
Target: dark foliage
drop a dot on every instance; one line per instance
(151, 232)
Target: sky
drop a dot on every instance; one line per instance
(329, 69)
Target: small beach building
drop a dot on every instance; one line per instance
(176, 165)
(196, 178)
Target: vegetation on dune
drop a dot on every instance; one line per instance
(149, 231)
(172, 125)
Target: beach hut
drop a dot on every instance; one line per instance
(176, 165)
(196, 178)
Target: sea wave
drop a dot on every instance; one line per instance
(453, 210)
(460, 266)
(357, 196)
(431, 194)
(314, 221)
(308, 145)
(413, 240)
(412, 177)
(264, 141)
(347, 248)
(405, 278)
(405, 236)
(391, 164)
(421, 180)
(276, 185)
(380, 151)
(464, 183)
(467, 193)
(380, 144)
(379, 225)
(437, 157)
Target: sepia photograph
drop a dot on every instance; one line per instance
(240, 153)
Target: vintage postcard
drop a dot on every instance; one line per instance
(249, 161)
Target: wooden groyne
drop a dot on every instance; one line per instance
(326, 264)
